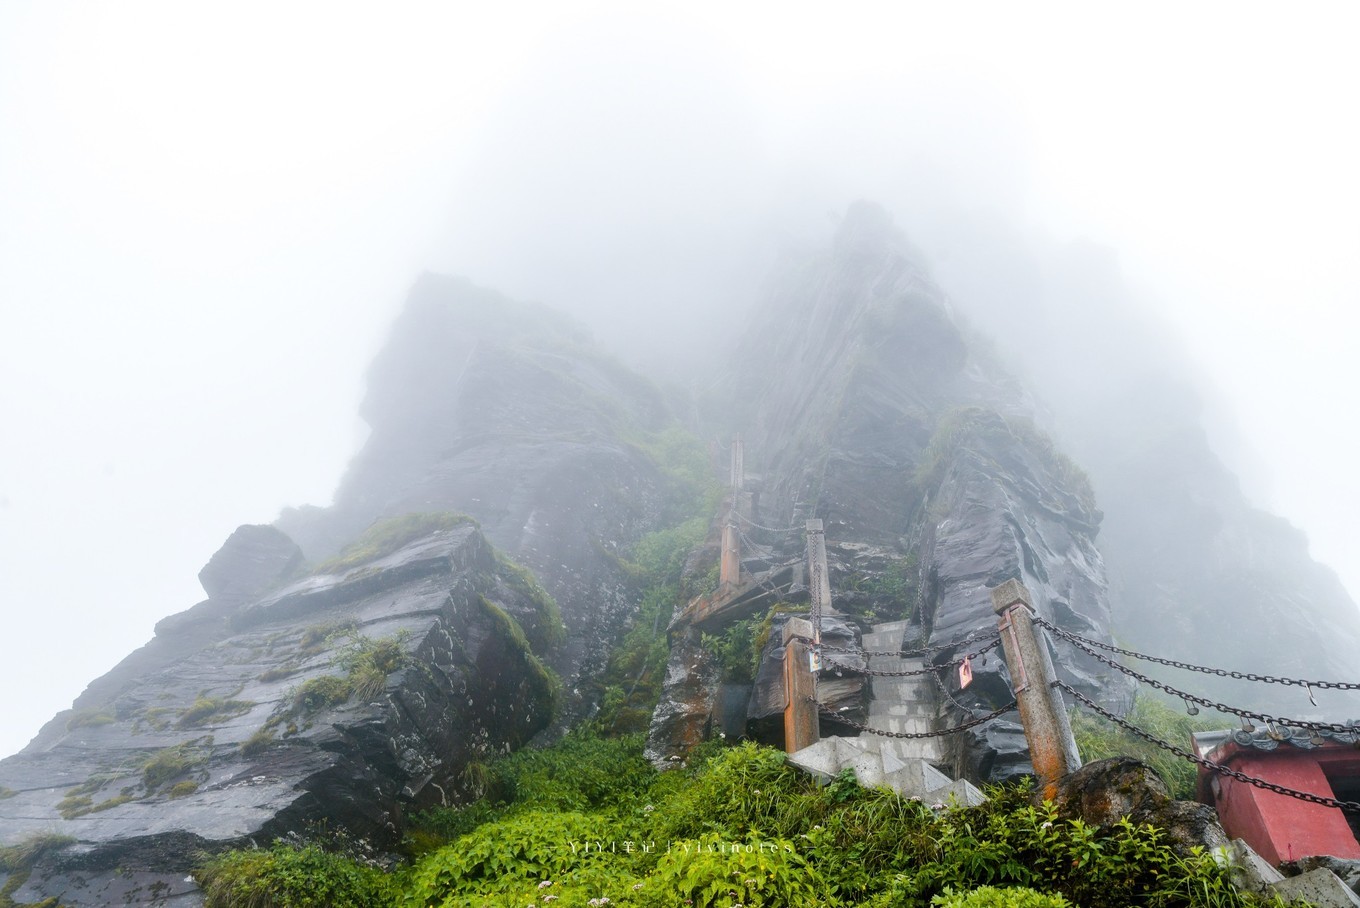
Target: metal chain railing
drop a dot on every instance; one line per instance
(914, 734)
(1220, 672)
(909, 673)
(750, 522)
(1201, 761)
(1081, 644)
(913, 653)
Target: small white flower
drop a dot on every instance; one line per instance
(637, 886)
(937, 806)
(748, 882)
(545, 884)
(549, 898)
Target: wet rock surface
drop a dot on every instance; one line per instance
(863, 402)
(507, 412)
(238, 726)
(1102, 792)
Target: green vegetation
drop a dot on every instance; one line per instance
(17, 861)
(547, 631)
(90, 718)
(992, 897)
(205, 709)
(589, 821)
(388, 535)
(183, 789)
(285, 876)
(689, 485)
(170, 763)
(6, 792)
(1099, 738)
(366, 664)
(631, 684)
(957, 426)
(735, 649)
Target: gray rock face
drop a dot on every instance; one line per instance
(349, 697)
(506, 412)
(864, 403)
(252, 559)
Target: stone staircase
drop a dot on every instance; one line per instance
(897, 705)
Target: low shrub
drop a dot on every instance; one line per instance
(285, 876)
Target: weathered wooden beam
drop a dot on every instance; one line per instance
(800, 688)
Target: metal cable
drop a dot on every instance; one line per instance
(1208, 764)
(917, 671)
(1221, 672)
(914, 734)
(910, 654)
(1080, 643)
(758, 526)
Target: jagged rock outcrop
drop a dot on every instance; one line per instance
(349, 696)
(507, 412)
(864, 402)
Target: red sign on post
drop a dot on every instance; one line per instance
(966, 672)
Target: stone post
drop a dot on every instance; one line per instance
(819, 580)
(800, 688)
(729, 568)
(1052, 749)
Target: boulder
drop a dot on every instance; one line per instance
(1102, 792)
(349, 698)
(253, 559)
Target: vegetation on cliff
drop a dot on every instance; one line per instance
(590, 823)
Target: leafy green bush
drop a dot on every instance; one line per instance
(591, 823)
(292, 877)
(992, 897)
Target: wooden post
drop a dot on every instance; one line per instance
(800, 688)
(819, 581)
(1052, 749)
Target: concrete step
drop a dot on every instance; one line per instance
(960, 792)
(911, 709)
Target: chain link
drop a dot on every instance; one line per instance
(914, 734)
(1208, 764)
(917, 671)
(1080, 643)
(912, 653)
(1220, 672)
(750, 522)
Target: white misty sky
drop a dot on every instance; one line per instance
(209, 213)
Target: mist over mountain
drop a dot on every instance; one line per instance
(528, 514)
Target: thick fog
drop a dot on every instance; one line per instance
(209, 216)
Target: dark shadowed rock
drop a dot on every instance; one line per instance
(1103, 792)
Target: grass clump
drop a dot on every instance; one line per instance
(1098, 738)
(388, 535)
(182, 789)
(18, 860)
(90, 718)
(217, 709)
(6, 792)
(170, 763)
